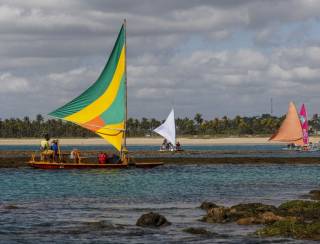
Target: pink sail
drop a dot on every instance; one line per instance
(304, 124)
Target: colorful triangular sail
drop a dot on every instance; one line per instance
(290, 130)
(304, 124)
(101, 108)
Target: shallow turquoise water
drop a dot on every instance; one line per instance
(101, 206)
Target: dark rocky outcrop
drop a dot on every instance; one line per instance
(217, 215)
(314, 194)
(265, 218)
(248, 213)
(207, 205)
(297, 219)
(305, 210)
(198, 231)
(152, 220)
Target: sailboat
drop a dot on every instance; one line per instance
(304, 124)
(307, 145)
(293, 130)
(290, 130)
(102, 109)
(168, 131)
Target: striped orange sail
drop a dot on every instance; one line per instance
(102, 107)
(290, 130)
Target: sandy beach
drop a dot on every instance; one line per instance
(152, 141)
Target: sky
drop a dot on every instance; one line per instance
(214, 57)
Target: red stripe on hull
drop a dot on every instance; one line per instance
(44, 165)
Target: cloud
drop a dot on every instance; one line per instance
(213, 57)
(13, 84)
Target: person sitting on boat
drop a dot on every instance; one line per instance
(75, 155)
(55, 149)
(114, 159)
(170, 147)
(178, 146)
(103, 158)
(164, 145)
(291, 146)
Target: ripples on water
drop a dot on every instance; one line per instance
(101, 206)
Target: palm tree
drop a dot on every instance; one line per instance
(198, 118)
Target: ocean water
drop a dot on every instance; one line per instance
(102, 206)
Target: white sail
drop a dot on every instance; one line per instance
(168, 129)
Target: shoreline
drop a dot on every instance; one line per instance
(153, 141)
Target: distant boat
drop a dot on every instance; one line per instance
(294, 130)
(102, 108)
(168, 131)
(307, 145)
(290, 130)
(304, 124)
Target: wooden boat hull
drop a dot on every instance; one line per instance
(48, 165)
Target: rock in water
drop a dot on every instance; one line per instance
(198, 231)
(152, 220)
(292, 228)
(264, 218)
(315, 194)
(307, 210)
(249, 213)
(250, 209)
(217, 215)
(207, 205)
(247, 221)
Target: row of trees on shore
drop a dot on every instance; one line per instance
(265, 124)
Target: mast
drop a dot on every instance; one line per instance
(124, 146)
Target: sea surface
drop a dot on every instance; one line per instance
(102, 206)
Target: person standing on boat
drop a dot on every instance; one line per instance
(55, 149)
(178, 146)
(45, 151)
(44, 144)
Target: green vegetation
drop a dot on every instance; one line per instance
(309, 210)
(238, 126)
(294, 229)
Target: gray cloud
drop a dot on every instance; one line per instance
(214, 57)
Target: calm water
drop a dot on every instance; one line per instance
(101, 206)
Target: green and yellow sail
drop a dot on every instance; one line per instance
(102, 107)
